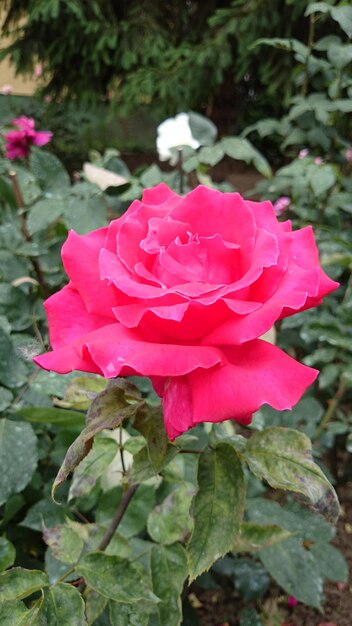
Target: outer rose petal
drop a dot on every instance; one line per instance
(41, 137)
(257, 373)
(80, 256)
(67, 359)
(68, 317)
(114, 350)
(120, 351)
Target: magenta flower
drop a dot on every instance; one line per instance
(19, 142)
(303, 153)
(292, 601)
(281, 204)
(181, 289)
(348, 155)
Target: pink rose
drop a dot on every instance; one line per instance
(180, 289)
(19, 142)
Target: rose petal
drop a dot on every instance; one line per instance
(256, 374)
(68, 317)
(80, 255)
(115, 348)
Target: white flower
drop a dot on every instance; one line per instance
(175, 132)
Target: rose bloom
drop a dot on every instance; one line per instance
(181, 289)
(19, 142)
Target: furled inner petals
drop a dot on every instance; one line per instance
(211, 212)
(116, 273)
(162, 232)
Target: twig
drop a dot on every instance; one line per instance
(26, 234)
(126, 499)
(332, 406)
(121, 451)
(180, 168)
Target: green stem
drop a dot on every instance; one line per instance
(26, 235)
(310, 44)
(332, 406)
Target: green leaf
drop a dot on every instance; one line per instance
(340, 55)
(135, 518)
(117, 402)
(217, 507)
(51, 415)
(44, 513)
(63, 606)
(13, 371)
(129, 614)
(250, 578)
(254, 537)
(118, 545)
(86, 210)
(283, 457)
(115, 578)
(49, 171)
(331, 563)
(66, 541)
(149, 421)
(16, 306)
(95, 604)
(92, 467)
(202, 129)
(295, 518)
(343, 16)
(170, 521)
(28, 184)
(18, 583)
(321, 178)
(211, 156)
(242, 150)
(81, 391)
(18, 454)
(317, 7)
(15, 613)
(43, 213)
(295, 570)
(169, 571)
(7, 553)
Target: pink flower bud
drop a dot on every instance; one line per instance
(281, 204)
(303, 153)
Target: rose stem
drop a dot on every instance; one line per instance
(120, 511)
(26, 235)
(180, 168)
(332, 406)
